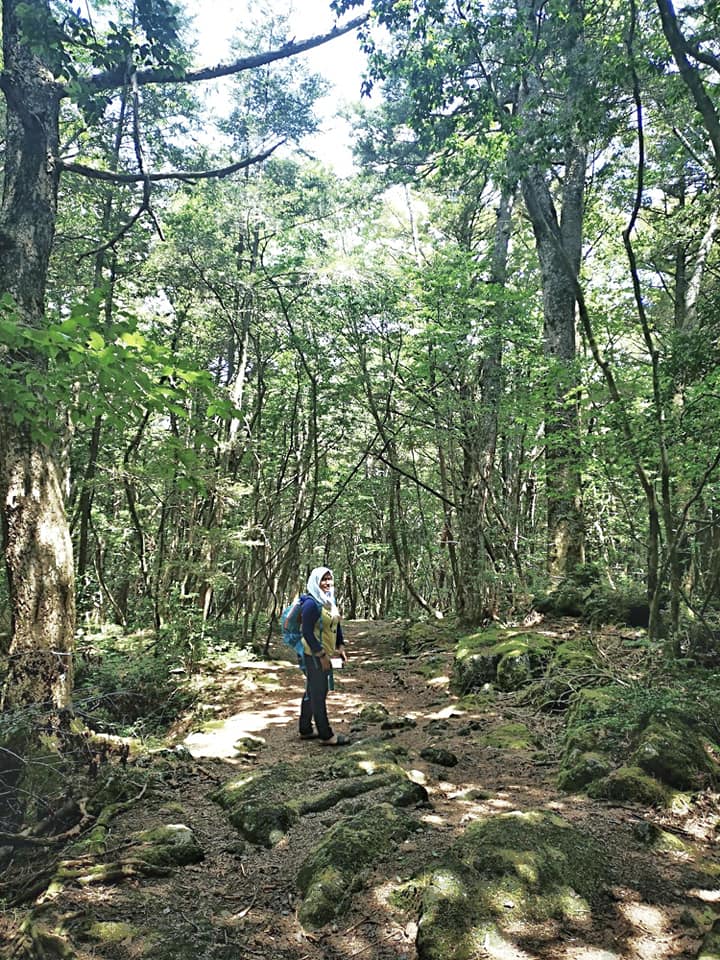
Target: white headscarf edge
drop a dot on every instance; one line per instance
(326, 600)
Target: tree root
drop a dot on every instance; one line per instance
(35, 942)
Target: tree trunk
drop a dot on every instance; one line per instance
(38, 551)
(480, 442)
(558, 247)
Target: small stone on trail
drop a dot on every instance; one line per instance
(398, 723)
(443, 758)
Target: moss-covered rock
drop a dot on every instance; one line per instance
(572, 662)
(674, 753)
(710, 949)
(444, 758)
(257, 802)
(504, 871)
(653, 836)
(332, 872)
(593, 703)
(514, 670)
(506, 658)
(632, 784)
(373, 713)
(508, 736)
(581, 768)
(263, 806)
(111, 931)
(398, 723)
(170, 845)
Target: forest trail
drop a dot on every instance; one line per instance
(241, 901)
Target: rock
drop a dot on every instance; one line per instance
(710, 949)
(373, 713)
(444, 758)
(507, 658)
(263, 806)
(673, 753)
(508, 736)
(657, 838)
(505, 872)
(513, 671)
(171, 845)
(633, 784)
(398, 723)
(580, 769)
(249, 744)
(332, 872)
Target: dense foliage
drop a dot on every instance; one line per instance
(251, 374)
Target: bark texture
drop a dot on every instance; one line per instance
(37, 545)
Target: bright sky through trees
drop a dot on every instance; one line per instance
(340, 61)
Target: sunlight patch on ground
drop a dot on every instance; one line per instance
(434, 819)
(583, 952)
(708, 896)
(498, 948)
(220, 741)
(446, 713)
(651, 929)
(439, 682)
(501, 804)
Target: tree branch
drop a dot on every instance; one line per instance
(188, 176)
(690, 76)
(115, 78)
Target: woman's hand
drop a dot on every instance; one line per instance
(340, 650)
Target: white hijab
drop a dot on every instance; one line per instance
(326, 600)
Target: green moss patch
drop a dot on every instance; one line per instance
(505, 870)
(111, 931)
(632, 784)
(506, 658)
(509, 736)
(170, 845)
(264, 806)
(333, 871)
(581, 768)
(710, 949)
(374, 713)
(673, 752)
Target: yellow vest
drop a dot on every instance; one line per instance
(325, 631)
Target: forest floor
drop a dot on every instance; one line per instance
(240, 902)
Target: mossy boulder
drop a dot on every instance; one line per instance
(440, 756)
(581, 768)
(508, 736)
(333, 871)
(170, 845)
(572, 662)
(588, 742)
(506, 658)
(674, 753)
(111, 931)
(631, 784)
(506, 870)
(591, 704)
(514, 670)
(258, 804)
(264, 806)
(710, 949)
(373, 713)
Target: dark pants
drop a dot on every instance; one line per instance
(313, 703)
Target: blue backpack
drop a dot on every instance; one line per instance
(291, 624)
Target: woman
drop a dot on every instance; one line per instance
(322, 639)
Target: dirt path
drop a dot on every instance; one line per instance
(241, 901)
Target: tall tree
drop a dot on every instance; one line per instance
(48, 57)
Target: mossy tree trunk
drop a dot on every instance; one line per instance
(38, 551)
